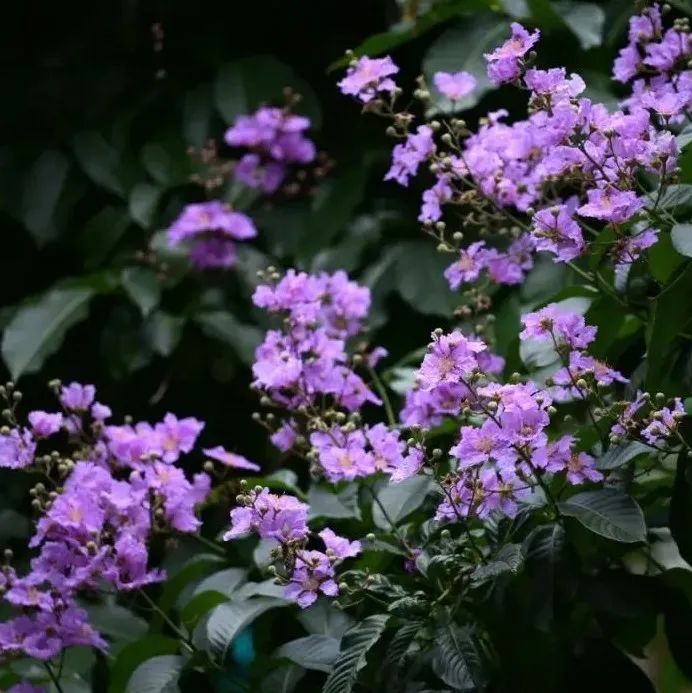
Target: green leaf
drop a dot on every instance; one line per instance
(618, 455)
(143, 287)
(225, 581)
(134, 654)
(674, 197)
(311, 652)
(100, 161)
(681, 235)
(143, 202)
(163, 332)
(509, 559)
(478, 36)
(608, 513)
(167, 162)
(39, 327)
(681, 507)
(42, 191)
(323, 618)
(283, 679)
(156, 675)
(197, 113)
(585, 20)
(355, 646)
(456, 659)
(342, 505)
(399, 500)
(227, 329)
(664, 259)
(197, 567)
(115, 621)
(227, 620)
(200, 605)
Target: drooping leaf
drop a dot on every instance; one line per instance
(396, 501)
(200, 605)
(39, 327)
(311, 652)
(41, 194)
(227, 620)
(608, 513)
(586, 20)
(355, 646)
(283, 679)
(456, 659)
(100, 161)
(224, 581)
(156, 675)
(163, 331)
(143, 287)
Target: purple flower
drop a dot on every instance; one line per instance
(478, 446)
(177, 435)
(17, 449)
(610, 204)
(77, 397)
(285, 436)
(230, 459)
(271, 516)
(368, 77)
(407, 157)
(454, 85)
(664, 422)
(555, 231)
(450, 359)
(339, 547)
(564, 327)
(343, 455)
(468, 266)
(409, 465)
(554, 82)
(44, 424)
(433, 198)
(504, 63)
(313, 573)
(387, 447)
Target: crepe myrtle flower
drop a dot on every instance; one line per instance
(504, 63)
(367, 77)
(565, 327)
(230, 459)
(454, 85)
(313, 573)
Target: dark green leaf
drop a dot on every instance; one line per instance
(42, 191)
(323, 618)
(609, 513)
(509, 559)
(283, 679)
(163, 332)
(156, 675)
(675, 196)
(39, 327)
(143, 287)
(134, 654)
(225, 581)
(664, 259)
(100, 161)
(226, 328)
(311, 652)
(200, 605)
(355, 646)
(456, 659)
(586, 20)
(143, 202)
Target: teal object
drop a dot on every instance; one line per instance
(243, 648)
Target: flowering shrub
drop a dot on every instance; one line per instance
(506, 508)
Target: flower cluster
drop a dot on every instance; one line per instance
(538, 184)
(276, 140)
(367, 78)
(642, 420)
(656, 62)
(283, 520)
(99, 502)
(211, 229)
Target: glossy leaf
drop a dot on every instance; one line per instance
(397, 501)
(311, 652)
(609, 513)
(156, 675)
